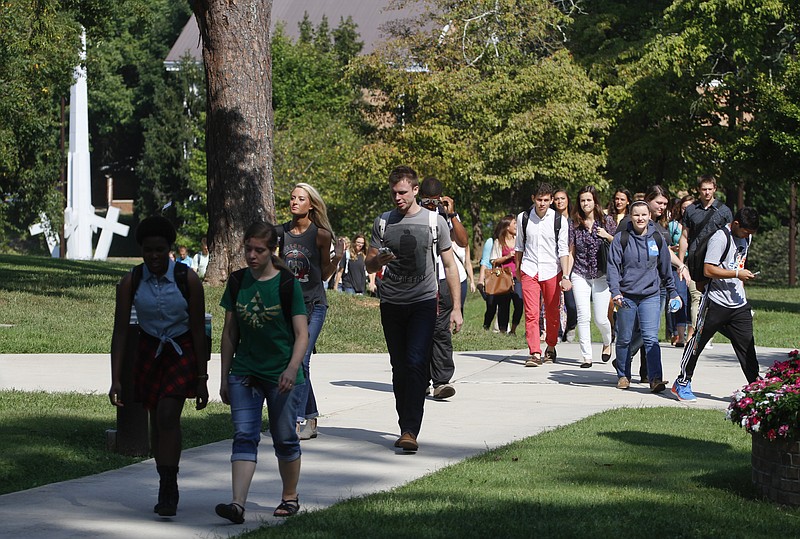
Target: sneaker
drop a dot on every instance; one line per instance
(623, 383)
(683, 392)
(535, 360)
(444, 391)
(550, 354)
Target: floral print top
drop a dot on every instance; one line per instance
(587, 243)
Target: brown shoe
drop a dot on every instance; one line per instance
(535, 360)
(550, 354)
(657, 385)
(407, 442)
(623, 383)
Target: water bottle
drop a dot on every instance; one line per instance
(674, 305)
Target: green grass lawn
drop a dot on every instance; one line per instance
(633, 472)
(627, 473)
(65, 306)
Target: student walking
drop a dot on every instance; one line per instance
(724, 307)
(637, 267)
(171, 359)
(263, 343)
(542, 259)
(305, 246)
(407, 240)
(588, 229)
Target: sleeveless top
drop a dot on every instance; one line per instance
(301, 255)
(161, 309)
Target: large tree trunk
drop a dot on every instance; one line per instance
(238, 66)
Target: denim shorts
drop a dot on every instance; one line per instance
(247, 405)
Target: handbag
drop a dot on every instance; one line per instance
(602, 256)
(499, 281)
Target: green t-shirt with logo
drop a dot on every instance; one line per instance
(265, 340)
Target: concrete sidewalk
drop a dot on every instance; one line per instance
(498, 401)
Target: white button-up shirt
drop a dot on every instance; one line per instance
(539, 251)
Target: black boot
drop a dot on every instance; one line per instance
(167, 504)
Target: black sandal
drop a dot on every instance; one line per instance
(287, 508)
(232, 511)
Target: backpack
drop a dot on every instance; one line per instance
(624, 237)
(526, 218)
(696, 253)
(285, 290)
(433, 225)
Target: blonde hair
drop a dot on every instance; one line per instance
(319, 211)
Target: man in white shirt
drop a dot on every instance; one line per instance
(200, 260)
(543, 268)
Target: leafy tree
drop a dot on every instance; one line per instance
(39, 48)
(346, 45)
(172, 167)
(488, 102)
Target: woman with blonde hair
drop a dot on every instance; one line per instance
(305, 245)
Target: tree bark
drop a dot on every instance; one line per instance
(238, 67)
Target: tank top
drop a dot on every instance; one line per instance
(301, 255)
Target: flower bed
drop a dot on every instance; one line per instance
(769, 409)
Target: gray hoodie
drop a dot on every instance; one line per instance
(641, 268)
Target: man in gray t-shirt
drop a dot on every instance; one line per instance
(406, 241)
(724, 306)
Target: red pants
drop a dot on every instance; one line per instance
(534, 291)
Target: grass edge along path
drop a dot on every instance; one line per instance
(630, 472)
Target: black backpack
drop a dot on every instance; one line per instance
(698, 246)
(526, 218)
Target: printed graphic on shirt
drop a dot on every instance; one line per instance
(297, 258)
(739, 258)
(652, 247)
(255, 314)
(411, 245)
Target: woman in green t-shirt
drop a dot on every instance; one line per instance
(261, 356)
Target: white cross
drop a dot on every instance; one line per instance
(50, 235)
(110, 225)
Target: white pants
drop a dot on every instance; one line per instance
(595, 291)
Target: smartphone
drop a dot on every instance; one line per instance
(756, 273)
(384, 251)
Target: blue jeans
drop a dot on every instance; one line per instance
(648, 311)
(247, 405)
(408, 330)
(306, 403)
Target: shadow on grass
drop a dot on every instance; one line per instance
(776, 306)
(53, 276)
(41, 449)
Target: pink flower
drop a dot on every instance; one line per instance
(771, 434)
(783, 429)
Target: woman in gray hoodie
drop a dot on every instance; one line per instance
(639, 263)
